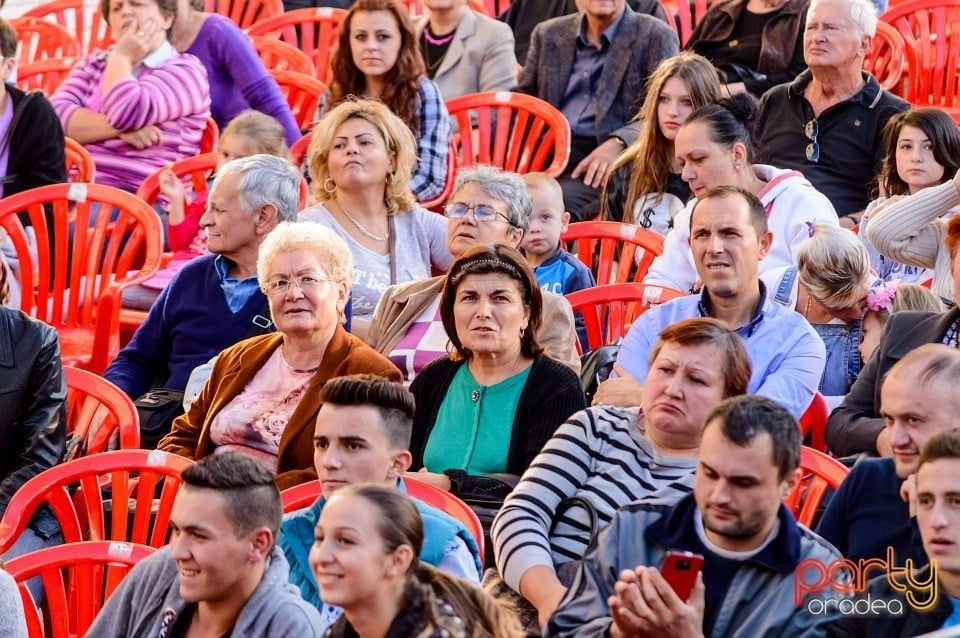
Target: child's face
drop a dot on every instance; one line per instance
(547, 222)
(231, 147)
(870, 335)
(916, 164)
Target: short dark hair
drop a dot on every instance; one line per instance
(493, 258)
(942, 445)
(742, 418)
(8, 40)
(250, 496)
(758, 215)
(940, 362)
(394, 403)
(735, 364)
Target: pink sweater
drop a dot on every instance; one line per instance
(174, 96)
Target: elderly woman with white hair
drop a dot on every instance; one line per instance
(262, 396)
(829, 287)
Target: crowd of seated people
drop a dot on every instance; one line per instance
(366, 352)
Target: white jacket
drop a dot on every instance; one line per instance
(793, 205)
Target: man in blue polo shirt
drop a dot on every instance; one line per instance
(728, 238)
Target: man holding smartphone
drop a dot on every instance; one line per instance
(749, 542)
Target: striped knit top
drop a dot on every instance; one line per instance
(599, 454)
(169, 90)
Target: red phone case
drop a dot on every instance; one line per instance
(680, 569)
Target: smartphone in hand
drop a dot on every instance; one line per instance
(680, 569)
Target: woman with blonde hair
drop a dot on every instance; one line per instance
(645, 187)
(365, 560)
(360, 159)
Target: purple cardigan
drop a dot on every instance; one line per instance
(173, 96)
(238, 80)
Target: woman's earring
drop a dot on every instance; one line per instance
(330, 186)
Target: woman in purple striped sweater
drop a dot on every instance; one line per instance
(140, 105)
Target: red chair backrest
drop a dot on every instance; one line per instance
(814, 422)
(298, 150)
(41, 40)
(819, 473)
(89, 28)
(513, 131)
(931, 35)
(44, 75)
(72, 276)
(303, 94)
(210, 137)
(625, 254)
(77, 579)
(124, 495)
(609, 311)
(95, 410)
(436, 204)
(682, 18)
(244, 13)
(280, 56)
(312, 30)
(80, 165)
(885, 59)
(303, 495)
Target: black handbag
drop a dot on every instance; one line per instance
(157, 409)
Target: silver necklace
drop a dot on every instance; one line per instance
(363, 230)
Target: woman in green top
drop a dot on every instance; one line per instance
(489, 406)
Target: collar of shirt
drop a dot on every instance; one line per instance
(868, 95)
(236, 292)
(704, 307)
(605, 38)
(158, 56)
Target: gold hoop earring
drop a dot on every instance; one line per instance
(330, 186)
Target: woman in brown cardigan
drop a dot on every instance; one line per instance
(262, 396)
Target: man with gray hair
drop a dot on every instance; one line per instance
(215, 300)
(828, 123)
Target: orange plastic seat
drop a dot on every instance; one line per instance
(303, 94)
(298, 150)
(312, 30)
(303, 495)
(124, 495)
(814, 423)
(44, 75)
(280, 56)
(625, 254)
(609, 311)
(91, 398)
(512, 131)
(80, 165)
(436, 204)
(89, 28)
(244, 13)
(931, 35)
(77, 579)
(819, 473)
(74, 273)
(683, 18)
(885, 59)
(40, 40)
(210, 137)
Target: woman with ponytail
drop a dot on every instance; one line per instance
(364, 559)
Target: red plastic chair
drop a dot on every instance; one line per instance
(303, 495)
(41, 40)
(931, 35)
(436, 204)
(683, 19)
(244, 13)
(885, 59)
(618, 260)
(298, 151)
(814, 423)
(77, 579)
(302, 94)
(80, 165)
(609, 311)
(73, 275)
(280, 56)
(312, 30)
(82, 495)
(512, 131)
(210, 137)
(819, 472)
(92, 401)
(89, 28)
(44, 75)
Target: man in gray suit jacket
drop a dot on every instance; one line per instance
(593, 66)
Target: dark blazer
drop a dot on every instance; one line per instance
(640, 44)
(36, 145)
(854, 425)
(32, 406)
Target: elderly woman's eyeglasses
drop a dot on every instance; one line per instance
(481, 212)
(812, 130)
(305, 283)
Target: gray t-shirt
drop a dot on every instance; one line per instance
(13, 624)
